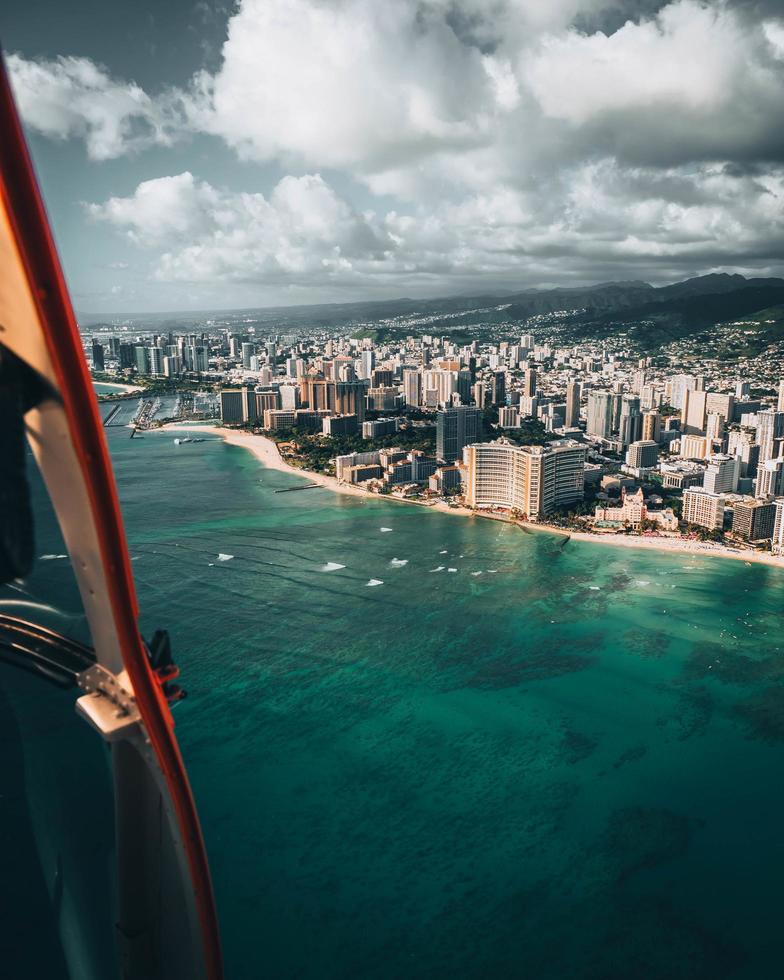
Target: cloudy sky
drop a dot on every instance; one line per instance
(197, 155)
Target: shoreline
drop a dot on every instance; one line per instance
(266, 451)
(115, 386)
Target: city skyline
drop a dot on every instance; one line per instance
(265, 154)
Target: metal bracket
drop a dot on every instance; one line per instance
(106, 704)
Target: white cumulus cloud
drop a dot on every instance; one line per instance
(477, 143)
(73, 97)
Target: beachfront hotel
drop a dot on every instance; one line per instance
(534, 480)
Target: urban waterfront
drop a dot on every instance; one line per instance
(557, 759)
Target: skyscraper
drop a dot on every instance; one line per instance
(412, 386)
(367, 361)
(754, 520)
(643, 454)
(238, 405)
(347, 398)
(651, 426)
(156, 355)
(499, 388)
(127, 356)
(573, 394)
(142, 355)
(532, 479)
(456, 428)
(529, 385)
(694, 411)
(770, 428)
(770, 478)
(600, 414)
(630, 423)
(703, 509)
(721, 474)
(97, 355)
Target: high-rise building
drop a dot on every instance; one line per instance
(196, 358)
(238, 405)
(714, 427)
(770, 478)
(412, 386)
(478, 393)
(456, 428)
(643, 454)
(630, 422)
(651, 426)
(694, 411)
(508, 417)
(499, 388)
(703, 509)
(719, 403)
(742, 389)
(722, 474)
(741, 444)
(442, 382)
(676, 387)
(142, 355)
(464, 385)
(339, 425)
(266, 400)
(778, 528)
(383, 399)
(127, 356)
(694, 447)
(172, 366)
(770, 429)
(367, 360)
(754, 520)
(382, 378)
(156, 355)
(534, 480)
(529, 384)
(600, 414)
(648, 398)
(348, 398)
(780, 402)
(97, 355)
(573, 394)
(247, 353)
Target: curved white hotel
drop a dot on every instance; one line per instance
(534, 480)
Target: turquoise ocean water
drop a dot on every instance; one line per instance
(567, 766)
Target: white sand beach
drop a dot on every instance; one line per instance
(116, 386)
(266, 451)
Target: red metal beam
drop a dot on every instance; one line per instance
(22, 200)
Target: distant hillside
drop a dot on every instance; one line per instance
(651, 315)
(657, 323)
